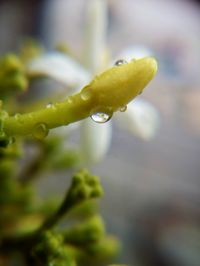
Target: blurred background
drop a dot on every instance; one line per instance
(152, 188)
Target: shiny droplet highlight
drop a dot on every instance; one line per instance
(100, 117)
(120, 62)
(123, 108)
(49, 105)
(85, 95)
(40, 131)
(19, 117)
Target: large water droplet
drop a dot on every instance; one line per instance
(40, 131)
(120, 62)
(85, 95)
(100, 117)
(123, 108)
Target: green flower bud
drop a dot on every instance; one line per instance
(83, 234)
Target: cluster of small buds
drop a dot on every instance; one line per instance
(84, 187)
(12, 75)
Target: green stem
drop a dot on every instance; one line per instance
(106, 93)
(54, 218)
(64, 113)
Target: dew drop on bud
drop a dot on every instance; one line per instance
(19, 117)
(11, 140)
(123, 108)
(85, 95)
(49, 105)
(40, 131)
(100, 117)
(120, 62)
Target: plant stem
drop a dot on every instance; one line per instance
(64, 113)
(109, 91)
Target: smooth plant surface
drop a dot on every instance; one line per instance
(106, 93)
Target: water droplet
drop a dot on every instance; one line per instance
(120, 62)
(40, 131)
(85, 95)
(19, 117)
(100, 117)
(70, 99)
(11, 140)
(49, 105)
(123, 108)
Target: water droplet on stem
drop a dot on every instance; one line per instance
(40, 131)
(49, 105)
(123, 108)
(120, 62)
(100, 117)
(19, 117)
(85, 95)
